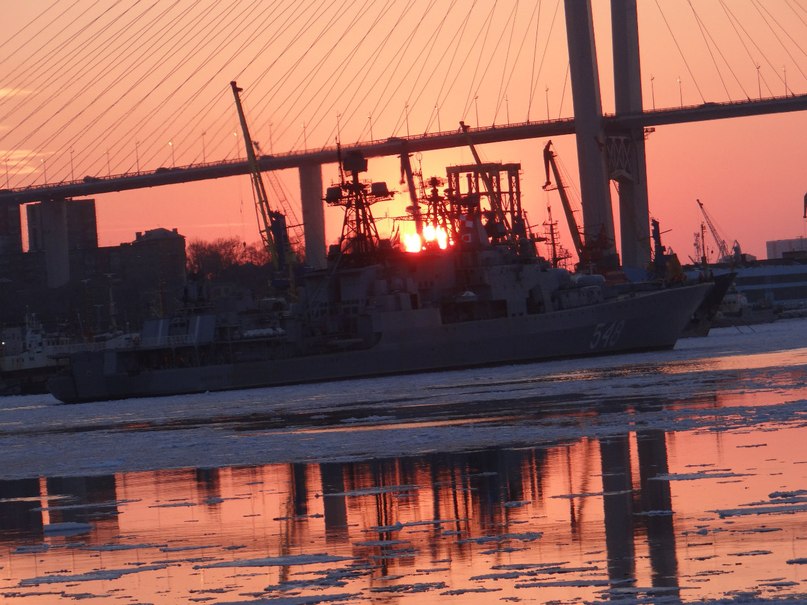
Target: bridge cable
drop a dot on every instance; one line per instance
(30, 23)
(680, 52)
(347, 60)
(21, 67)
(564, 89)
(307, 23)
(795, 12)
(82, 66)
(403, 115)
(85, 107)
(756, 46)
(473, 88)
(454, 43)
(728, 65)
(295, 94)
(400, 53)
(459, 34)
(543, 56)
(536, 10)
(433, 38)
(733, 22)
(193, 123)
(222, 29)
(512, 19)
(703, 31)
(778, 39)
(200, 117)
(302, 90)
(52, 62)
(56, 95)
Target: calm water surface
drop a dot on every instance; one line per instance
(672, 477)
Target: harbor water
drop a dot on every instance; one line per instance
(673, 476)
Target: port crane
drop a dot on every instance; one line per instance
(272, 226)
(723, 253)
(550, 163)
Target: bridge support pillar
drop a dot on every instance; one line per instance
(634, 215)
(313, 215)
(598, 216)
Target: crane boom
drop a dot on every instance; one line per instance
(549, 162)
(722, 248)
(272, 225)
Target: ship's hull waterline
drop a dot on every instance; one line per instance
(410, 342)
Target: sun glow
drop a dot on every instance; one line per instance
(432, 234)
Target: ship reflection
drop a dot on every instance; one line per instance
(34, 507)
(535, 510)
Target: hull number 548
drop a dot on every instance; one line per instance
(606, 334)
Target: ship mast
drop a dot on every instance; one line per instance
(359, 233)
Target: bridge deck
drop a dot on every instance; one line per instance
(92, 185)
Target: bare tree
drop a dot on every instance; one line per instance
(211, 259)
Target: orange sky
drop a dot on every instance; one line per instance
(117, 91)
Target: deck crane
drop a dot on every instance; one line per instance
(272, 227)
(595, 253)
(549, 162)
(723, 253)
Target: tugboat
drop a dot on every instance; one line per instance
(471, 291)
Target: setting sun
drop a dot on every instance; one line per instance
(432, 234)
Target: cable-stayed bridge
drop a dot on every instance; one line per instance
(513, 43)
(94, 185)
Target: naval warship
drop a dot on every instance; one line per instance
(467, 288)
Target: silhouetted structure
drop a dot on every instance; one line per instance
(66, 279)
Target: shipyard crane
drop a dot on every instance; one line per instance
(550, 163)
(723, 253)
(594, 253)
(272, 227)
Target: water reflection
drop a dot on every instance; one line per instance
(528, 522)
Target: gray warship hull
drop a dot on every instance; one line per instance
(402, 341)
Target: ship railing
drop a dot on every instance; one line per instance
(176, 340)
(63, 350)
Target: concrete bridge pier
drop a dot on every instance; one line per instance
(598, 216)
(629, 168)
(313, 214)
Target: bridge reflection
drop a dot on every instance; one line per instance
(533, 516)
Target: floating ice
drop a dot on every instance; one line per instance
(305, 600)
(760, 510)
(409, 588)
(314, 559)
(67, 528)
(104, 574)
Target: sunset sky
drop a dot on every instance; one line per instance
(98, 87)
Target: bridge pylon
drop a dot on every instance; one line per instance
(626, 146)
